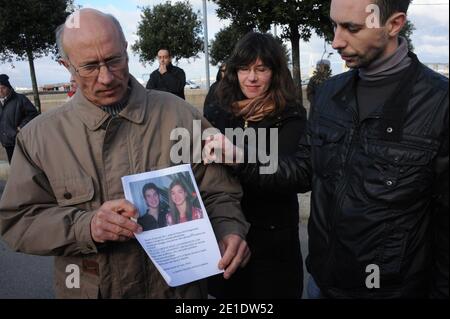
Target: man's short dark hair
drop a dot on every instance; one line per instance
(389, 7)
(150, 186)
(165, 49)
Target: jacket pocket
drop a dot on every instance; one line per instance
(73, 191)
(391, 253)
(396, 172)
(327, 149)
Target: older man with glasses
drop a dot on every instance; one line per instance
(65, 197)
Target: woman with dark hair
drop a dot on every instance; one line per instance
(258, 92)
(181, 208)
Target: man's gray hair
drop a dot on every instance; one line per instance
(59, 39)
(59, 33)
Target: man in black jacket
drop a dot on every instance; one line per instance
(379, 156)
(168, 77)
(379, 134)
(16, 110)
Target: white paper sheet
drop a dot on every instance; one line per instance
(183, 252)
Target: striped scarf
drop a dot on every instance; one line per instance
(256, 109)
(115, 109)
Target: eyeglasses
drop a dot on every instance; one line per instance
(259, 70)
(93, 70)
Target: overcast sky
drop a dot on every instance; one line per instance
(431, 41)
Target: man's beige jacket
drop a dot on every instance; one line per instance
(69, 161)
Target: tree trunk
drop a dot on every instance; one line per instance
(37, 101)
(297, 74)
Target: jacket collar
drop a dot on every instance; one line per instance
(394, 111)
(289, 112)
(345, 96)
(11, 94)
(94, 117)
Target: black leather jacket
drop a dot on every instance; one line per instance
(380, 188)
(173, 81)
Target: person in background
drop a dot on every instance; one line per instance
(16, 110)
(73, 87)
(167, 77)
(211, 100)
(321, 74)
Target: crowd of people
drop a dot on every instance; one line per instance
(374, 152)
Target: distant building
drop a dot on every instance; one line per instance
(58, 87)
(22, 89)
(441, 68)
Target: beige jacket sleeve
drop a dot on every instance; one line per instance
(221, 193)
(31, 220)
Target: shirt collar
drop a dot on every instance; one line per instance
(94, 117)
(383, 68)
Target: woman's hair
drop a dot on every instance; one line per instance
(251, 47)
(219, 73)
(173, 208)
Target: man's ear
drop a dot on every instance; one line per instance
(396, 23)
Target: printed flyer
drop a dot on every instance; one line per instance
(178, 236)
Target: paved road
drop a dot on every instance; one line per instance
(31, 277)
(304, 244)
(24, 276)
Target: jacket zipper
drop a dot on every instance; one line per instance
(342, 187)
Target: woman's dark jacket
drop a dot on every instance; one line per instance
(275, 270)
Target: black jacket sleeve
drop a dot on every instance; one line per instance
(28, 111)
(440, 221)
(293, 170)
(181, 81)
(174, 81)
(152, 82)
